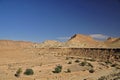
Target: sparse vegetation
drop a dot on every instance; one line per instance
(18, 72)
(68, 71)
(86, 64)
(108, 62)
(91, 70)
(72, 57)
(67, 58)
(117, 78)
(113, 65)
(70, 62)
(77, 61)
(90, 60)
(117, 67)
(82, 64)
(58, 69)
(89, 64)
(102, 78)
(29, 72)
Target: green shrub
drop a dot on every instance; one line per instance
(58, 69)
(83, 63)
(18, 72)
(29, 72)
(91, 70)
(86, 64)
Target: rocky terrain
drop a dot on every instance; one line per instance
(79, 58)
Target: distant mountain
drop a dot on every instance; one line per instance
(80, 40)
(76, 41)
(49, 43)
(113, 42)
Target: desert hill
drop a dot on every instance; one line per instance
(80, 40)
(113, 42)
(15, 44)
(76, 41)
(49, 43)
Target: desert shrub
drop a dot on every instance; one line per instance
(102, 78)
(91, 60)
(72, 57)
(113, 65)
(91, 70)
(58, 69)
(101, 63)
(29, 72)
(18, 72)
(69, 62)
(108, 62)
(83, 63)
(67, 58)
(117, 78)
(117, 67)
(90, 65)
(86, 64)
(68, 71)
(77, 61)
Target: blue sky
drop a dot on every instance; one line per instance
(39, 20)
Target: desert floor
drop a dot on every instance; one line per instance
(43, 65)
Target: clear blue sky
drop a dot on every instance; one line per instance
(39, 20)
